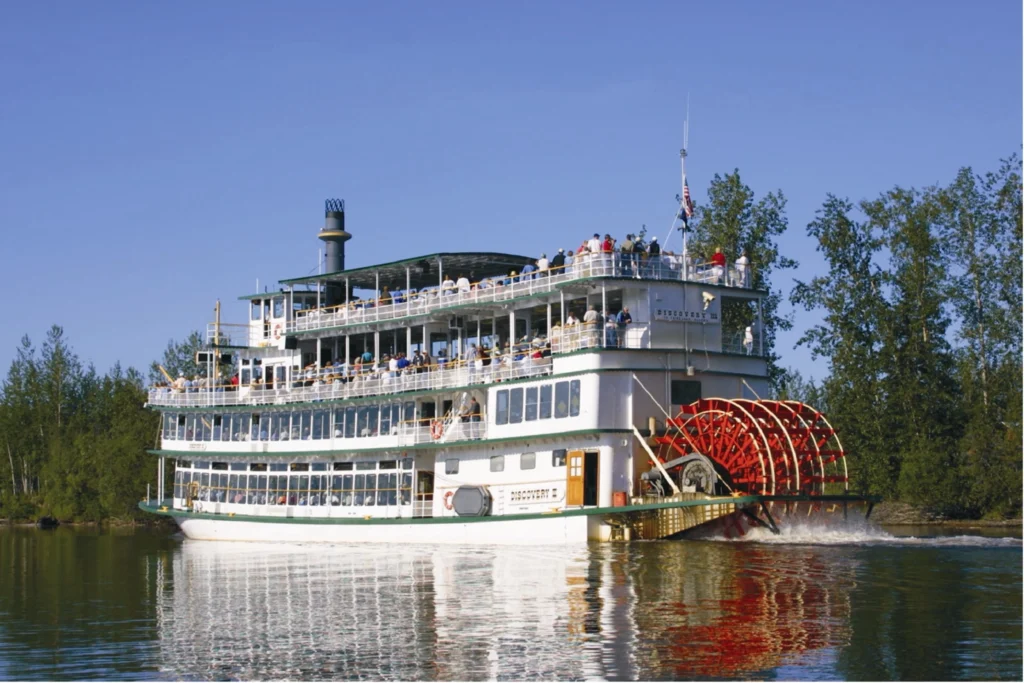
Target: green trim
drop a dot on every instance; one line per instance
(577, 512)
(262, 295)
(328, 452)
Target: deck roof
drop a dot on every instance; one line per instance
(424, 270)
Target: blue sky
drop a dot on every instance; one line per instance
(156, 157)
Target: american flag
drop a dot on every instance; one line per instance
(687, 204)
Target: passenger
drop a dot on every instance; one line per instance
(557, 264)
(743, 270)
(463, 285)
(528, 271)
(748, 340)
(623, 320)
(569, 260)
(447, 286)
(611, 328)
(627, 256)
(542, 265)
(718, 266)
(385, 296)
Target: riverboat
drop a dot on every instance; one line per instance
(484, 398)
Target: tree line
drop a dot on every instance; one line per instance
(919, 307)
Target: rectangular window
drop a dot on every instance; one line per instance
(278, 307)
(685, 391)
(363, 466)
(406, 463)
(220, 465)
(451, 466)
(321, 424)
(388, 465)
(515, 406)
(201, 465)
(527, 461)
(343, 466)
(239, 466)
(373, 420)
(558, 458)
(501, 410)
(319, 466)
(363, 421)
(545, 401)
(278, 467)
(574, 398)
(385, 420)
(350, 423)
(562, 399)
(314, 490)
(299, 467)
(257, 467)
(306, 417)
(225, 428)
(257, 309)
(531, 404)
(409, 412)
(371, 490)
(346, 488)
(497, 463)
(336, 489)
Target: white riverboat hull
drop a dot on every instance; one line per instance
(555, 529)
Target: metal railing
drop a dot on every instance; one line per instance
(446, 376)
(600, 336)
(398, 305)
(742, 343)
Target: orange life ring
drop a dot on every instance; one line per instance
(277, 331)
(437, 430)
(448, 500)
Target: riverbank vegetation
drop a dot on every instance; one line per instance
(919, 308)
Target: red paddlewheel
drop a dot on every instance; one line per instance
(730, 436)
(832, 469)
(765, 447)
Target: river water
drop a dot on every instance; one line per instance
(858, 605)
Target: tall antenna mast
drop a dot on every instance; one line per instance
(682, 213)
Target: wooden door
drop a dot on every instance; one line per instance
(574, 478)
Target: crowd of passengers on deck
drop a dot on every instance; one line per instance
(594, 256)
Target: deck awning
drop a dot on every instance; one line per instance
(423, 270)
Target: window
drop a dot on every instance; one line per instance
(545, 401)
(406, 463)
(527, 461)
(343, 466)
(319, 466)
(350, 423)
(220, 465)
(257, 308)
(238, 466)
(501, 410)
(451, 466)
(685, 391)
(497, 463)
(558, 458)
(562, 399)
(278, 307)
(278, 467)
(366, 466)
(388, 465)
(531, 404)
(515, 408)
(201, 465)
(574, 398)
(299, 467)
(321, 425)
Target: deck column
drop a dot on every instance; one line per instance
(376, 346)
(760, 331)
(561, 312)
(348, 350)
(376, 304)
(318, 347)
(548, 333)
(408, 299)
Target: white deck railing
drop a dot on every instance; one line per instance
(369, 384)
(666, 267)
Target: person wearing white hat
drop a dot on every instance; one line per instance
(557, 264)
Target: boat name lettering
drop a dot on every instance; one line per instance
(676, 315)
(524, 495)
(197, 446)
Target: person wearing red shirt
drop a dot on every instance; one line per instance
(718, 265)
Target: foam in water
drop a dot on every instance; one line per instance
(811, 534)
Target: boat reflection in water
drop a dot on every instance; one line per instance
(643, 611)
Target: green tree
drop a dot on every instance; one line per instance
(736, 221)
(850, 337)
(179, 358)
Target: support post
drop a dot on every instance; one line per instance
(654, 459)
(408, 288)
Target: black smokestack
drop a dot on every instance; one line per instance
(334, 236)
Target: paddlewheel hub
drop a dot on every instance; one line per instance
(758, 447)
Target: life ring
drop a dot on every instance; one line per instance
(448, 500)
(277, 331)
(436, 430)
